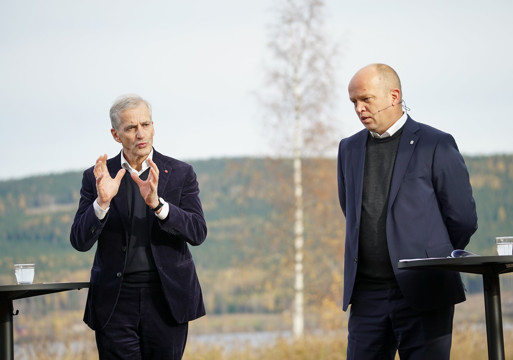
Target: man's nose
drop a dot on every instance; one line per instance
(359, 107)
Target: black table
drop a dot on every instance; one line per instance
(490, 267)
(8, 293)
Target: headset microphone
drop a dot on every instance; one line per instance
(384, 108)
(406, 108)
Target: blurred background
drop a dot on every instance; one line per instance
(219, 83)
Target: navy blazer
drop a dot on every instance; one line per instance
(430, 211)
(169, 238)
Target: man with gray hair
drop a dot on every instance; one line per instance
(142, 210)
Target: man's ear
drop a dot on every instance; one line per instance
(396, 96)
(115, 135)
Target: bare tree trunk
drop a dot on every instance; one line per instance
(298, 314)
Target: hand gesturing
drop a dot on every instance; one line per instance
(106, 186)
(148, 187)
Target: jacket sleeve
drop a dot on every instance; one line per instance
(186, 218)
(86, 227)
(454, 192)
(341, 180)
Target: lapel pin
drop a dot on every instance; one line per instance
(411, 142)
(166, 171)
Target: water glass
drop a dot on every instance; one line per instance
(24, 273)
(504, 245)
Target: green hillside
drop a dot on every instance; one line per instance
(246, 264)
(492, 184)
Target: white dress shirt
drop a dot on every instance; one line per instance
(392, 129)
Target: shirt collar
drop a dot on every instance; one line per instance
(145, 165)
(392, 129)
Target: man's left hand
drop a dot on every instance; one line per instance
(148, 187)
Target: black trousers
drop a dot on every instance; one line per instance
(141, 328)
(382, 323)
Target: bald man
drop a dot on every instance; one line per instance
(405, 192)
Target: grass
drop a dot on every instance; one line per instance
(77, 341)
(468, 344)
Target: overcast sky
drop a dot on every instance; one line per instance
(199, 62)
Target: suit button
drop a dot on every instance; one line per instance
(355, 260)
(123, 248)
(119, 274)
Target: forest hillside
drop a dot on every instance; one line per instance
(246, 264)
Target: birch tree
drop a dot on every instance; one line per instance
(299, 94)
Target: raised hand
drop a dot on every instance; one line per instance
(148, 187)
(106, 186)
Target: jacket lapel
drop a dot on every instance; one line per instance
(407, 145)
(165, 171)
(358, 164)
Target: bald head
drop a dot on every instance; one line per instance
(375, 91)
(384, 75)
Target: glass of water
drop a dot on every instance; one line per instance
(504, 245)
(24, 273)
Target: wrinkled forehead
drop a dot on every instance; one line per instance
(139, 113)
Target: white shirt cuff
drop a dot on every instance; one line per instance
(164, 210)
(100, 213)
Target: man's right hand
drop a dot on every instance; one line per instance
(106, 186)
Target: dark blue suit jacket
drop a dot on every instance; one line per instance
(430, 211)
(169, 238)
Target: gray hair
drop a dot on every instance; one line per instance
(122, 103)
